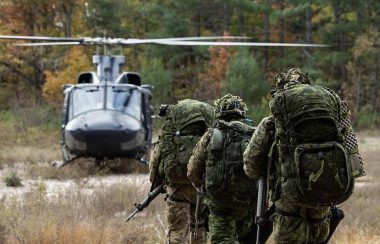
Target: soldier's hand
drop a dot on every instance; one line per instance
(269, 123)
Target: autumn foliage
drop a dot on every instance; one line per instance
(74, 63)
(210, 81)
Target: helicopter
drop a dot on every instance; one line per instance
(108, 114)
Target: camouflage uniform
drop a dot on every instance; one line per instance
(180, 216)
(226, 225)
(154, 161)
(181, 198)
(293, 223)
(180, 206)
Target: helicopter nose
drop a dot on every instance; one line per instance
(109, 121)
(105, 132)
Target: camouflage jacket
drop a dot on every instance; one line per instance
(255, 155)
(197, 163)
(154, 162)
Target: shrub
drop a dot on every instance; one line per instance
(12, 180)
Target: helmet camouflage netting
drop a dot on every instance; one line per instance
(290, 76)
(230, 104)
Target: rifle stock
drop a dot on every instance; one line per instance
(145, 203)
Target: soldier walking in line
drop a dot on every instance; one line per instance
(217, 165)
(185, 122)
(314, 156)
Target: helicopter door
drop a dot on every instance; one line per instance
(148, 112)
(65, 110)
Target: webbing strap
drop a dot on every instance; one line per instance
(313, 177)
(308, 219)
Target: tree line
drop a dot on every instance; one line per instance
(350, 66)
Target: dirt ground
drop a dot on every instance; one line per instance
(80, 204)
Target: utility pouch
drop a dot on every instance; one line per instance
(323, 173)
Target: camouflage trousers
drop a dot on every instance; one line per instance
(180, 216)
(228, 226)
(300, 225)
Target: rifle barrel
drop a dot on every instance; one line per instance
(261, 202)
(132, 214)
(145, 203)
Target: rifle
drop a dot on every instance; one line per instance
(199, 209)
(336, 216)
(261, 208)
(264, 226)
(154, 191)
(145, 203)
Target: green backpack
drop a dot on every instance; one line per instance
(226, 182)
(313, 168)
(186, 122)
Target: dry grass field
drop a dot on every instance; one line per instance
(81, 204)
(362, 210)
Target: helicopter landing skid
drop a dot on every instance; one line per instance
(66, 156)
(142, 160)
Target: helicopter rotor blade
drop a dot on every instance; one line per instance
(199, 38)
(40, 38)
(37, 44)
(257, 44)
(111, 41)
(179, 41)
(203, 38)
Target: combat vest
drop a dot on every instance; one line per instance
(226, 182)
(313, 166)
(186, 122)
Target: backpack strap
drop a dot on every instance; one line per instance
(177, 130)
(216, 140)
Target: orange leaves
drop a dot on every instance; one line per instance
(210, 81)
(74, 63)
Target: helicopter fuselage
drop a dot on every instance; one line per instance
(106, 120)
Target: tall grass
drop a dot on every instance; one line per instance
(362, 210)
(29, 134)
(77, 216)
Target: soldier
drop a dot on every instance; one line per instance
(217, 165)
(311, 144)
(184, 124)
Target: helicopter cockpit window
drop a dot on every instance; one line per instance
(85, 99)
(125, 99)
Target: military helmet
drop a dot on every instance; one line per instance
(230, 105)
(291, 76)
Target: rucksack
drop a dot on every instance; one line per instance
(186, 122)
(226, 182)
(313, 167)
